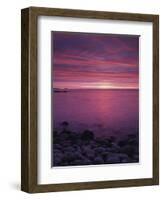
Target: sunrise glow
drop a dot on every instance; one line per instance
(95, 61)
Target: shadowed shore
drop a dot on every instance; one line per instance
(76, 149)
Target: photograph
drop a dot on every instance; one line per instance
(95, 98)
(90, 99)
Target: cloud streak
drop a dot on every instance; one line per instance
(82, 60)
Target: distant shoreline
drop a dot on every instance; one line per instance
(97, 90)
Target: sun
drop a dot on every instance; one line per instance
(98, 86)
(104, 86)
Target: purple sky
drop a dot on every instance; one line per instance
(82, 60)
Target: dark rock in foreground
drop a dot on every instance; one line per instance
(75, 149)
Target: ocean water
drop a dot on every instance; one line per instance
(105, 112)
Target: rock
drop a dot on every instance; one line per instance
(73, 137)
(78, 155)
(57, 159)
(123, 157)
(102, 142)
(55, 151)
(75, 146)
(125, 161)
(57, 146)
(85, 148)
(90, 154)
(114, 148)
(69, 149)
(64, 123)
(87, 135)
(56, 137)
(64, 163)
(86, 161)
(104, 155)
(99, 150)
(57, 162)
(93, 144)
(122, 143)
(78, 149)
(112, 139)
(108, 149)
(76, 162)
(64, 135)
(65, 143)
(112, 159)
(133, 142)
(136, 158)
(98, 160)
(132, 136)
(129, 150)
(109, 143)
(68, 156)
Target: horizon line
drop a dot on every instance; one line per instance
(96, 88)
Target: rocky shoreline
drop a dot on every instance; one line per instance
(76, 149)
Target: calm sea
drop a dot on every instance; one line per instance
(105, 112)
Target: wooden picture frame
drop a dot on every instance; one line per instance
(29, 135)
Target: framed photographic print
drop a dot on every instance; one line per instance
(90, 99)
